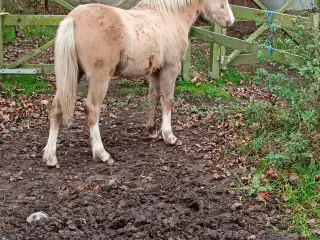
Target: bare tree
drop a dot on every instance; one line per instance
(27, 6)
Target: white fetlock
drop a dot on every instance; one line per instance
(169, 138)
(103, 155)
(50, 157)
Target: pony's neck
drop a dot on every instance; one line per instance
(190, 13)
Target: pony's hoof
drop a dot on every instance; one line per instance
(170, 140)
(105, 157)
(154, 134)
(50, 159)
(108, 160)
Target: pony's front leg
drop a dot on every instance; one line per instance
(154, 99)
(97, 91)
(49, 155)
(167, 83)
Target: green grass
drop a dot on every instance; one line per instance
(122, 104)
(304, 198)
(297, 192)
(182, 88)
(81, 94)
(209, 89)
(283, 138)
(213, 88)
(123, 92)
(9, 34)
(126, 88)
(15, 86)
(205, 89)
(233, 78)
(40, 34)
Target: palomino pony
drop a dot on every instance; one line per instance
(102, 41)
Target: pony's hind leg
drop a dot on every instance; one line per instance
(154, 99)
(167, 83)
(50, 150)
(98, 87)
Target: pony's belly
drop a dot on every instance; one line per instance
(129, 67)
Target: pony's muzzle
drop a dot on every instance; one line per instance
(229, 23)
(225, 24)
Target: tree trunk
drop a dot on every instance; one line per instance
(47, 5)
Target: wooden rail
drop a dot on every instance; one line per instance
(213, 34)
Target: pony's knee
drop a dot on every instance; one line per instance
(167, 103)
(55, 106)
(90, 113)
(56, 113)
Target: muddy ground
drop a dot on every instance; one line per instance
(152, 192)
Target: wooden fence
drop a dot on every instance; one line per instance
(245, 51)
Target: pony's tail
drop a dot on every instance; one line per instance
(66, 69)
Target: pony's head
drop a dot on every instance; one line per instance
(218, 11)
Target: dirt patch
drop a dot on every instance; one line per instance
(152, 192)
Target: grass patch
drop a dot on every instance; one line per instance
(284, 137)
(15, 86)
(127, 88)
(210, 89)
(297, 190)
(233, 78)
(122, 104)
(40, 34)
(303, 199)
(200, 90)
(213, 88)
(9, 34)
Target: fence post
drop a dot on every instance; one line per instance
(186, 62)
(1, 37)
(315, 17)
(223, 58)
(215, 50)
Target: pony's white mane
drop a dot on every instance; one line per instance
(165, 5)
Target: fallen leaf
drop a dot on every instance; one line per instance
(45, 102)
(6, 117)
(235, 206)
(217, 176)
(252, 237)
(113, 116)
(316, 232)
(81, 188)
(271, 172)
(16, 177)
(311, 222)
(263, 196)
(254, 207)
(294, 178)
